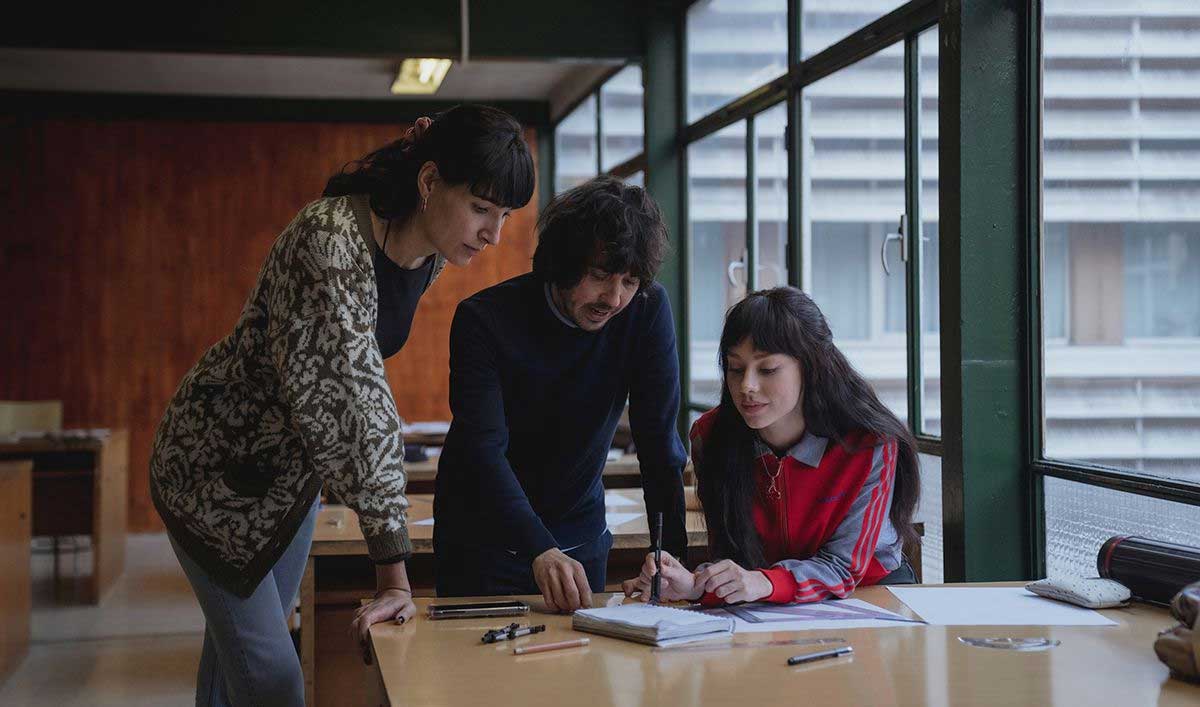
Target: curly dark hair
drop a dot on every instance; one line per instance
(475, 145)
(603, 223)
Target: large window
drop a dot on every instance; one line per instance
(854, 184)
(855, 140)
(733, 46)
(575, 145)
(604, 133)
(1121, 236)
(826, 22)
(930, 327)
(771, 197)
(717, 247)
(621, 118)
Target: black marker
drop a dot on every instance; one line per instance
(510, 632)
(820, 655)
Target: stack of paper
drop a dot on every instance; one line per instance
(652, 624)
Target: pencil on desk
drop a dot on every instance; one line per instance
(542, 647)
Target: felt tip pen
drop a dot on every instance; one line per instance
(543, 647)
(820, 655)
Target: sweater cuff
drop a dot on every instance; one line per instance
(386, 546)
(783, 585)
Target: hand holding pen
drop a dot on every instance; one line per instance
(677, 582)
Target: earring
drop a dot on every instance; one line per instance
(424, 203)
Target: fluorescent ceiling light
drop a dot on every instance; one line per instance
(420, 76)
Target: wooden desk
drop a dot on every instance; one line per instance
(16, 598)
(80, 487)
(619, 473)
(339, 574)
(441, 663)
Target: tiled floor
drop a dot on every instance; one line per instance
(140, 647)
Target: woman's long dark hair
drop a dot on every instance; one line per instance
(479, 146)
(837, 404)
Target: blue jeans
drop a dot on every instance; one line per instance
(248, 656)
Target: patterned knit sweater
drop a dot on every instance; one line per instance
(295, 397)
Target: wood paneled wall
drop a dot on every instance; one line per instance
(129, 248)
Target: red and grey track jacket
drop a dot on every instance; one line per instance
(823, 518)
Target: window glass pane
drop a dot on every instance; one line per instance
(621, 116)
(931, 359)
(1080, 517)
(853, 190)
(771, 197)
(733, 47)
(575, 147)
(637, 179)
(1121, 238)
(929, 512)
(825, 22)
(717, 250)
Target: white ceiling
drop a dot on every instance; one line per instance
(281, 76)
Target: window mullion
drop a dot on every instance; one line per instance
(911, 241)
(795, 160)
(751, 211)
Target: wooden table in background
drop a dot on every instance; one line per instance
(80, 487)
(443, 664)
(339, 574)
(620, 473)
(16, 598)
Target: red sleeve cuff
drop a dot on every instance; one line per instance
(783, 585)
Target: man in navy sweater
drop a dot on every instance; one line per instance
(540, 368)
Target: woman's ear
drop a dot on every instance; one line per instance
(427, 177)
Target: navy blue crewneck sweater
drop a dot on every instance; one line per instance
(535, 404)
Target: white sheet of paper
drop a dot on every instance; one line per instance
(993, 606)
(614, 499)
(780, 622)
(615, 519)
(427, 521)
(740, 626)
(426, 427)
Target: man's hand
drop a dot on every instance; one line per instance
(562, 580)
(677, 581)
(732, 583)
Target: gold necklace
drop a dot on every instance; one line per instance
(773, 491)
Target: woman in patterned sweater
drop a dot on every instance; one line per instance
(296, 398)
(808, 481)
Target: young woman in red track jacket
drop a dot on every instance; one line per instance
(808, 481)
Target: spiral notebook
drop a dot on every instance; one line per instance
(652, 624)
